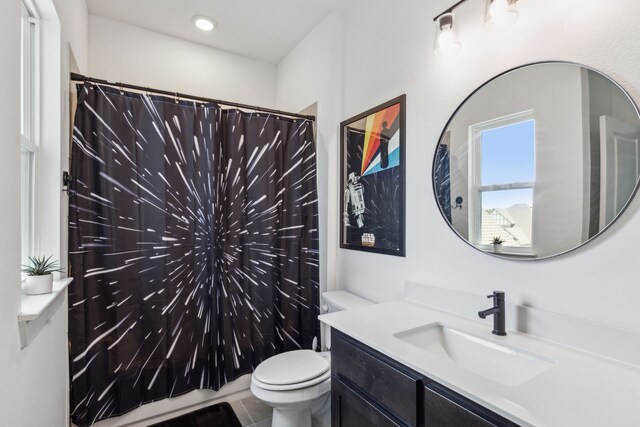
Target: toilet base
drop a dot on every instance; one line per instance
(312, 412)
(321, 411)
(291, 417)
(318, 415)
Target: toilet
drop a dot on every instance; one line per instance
(297, 384)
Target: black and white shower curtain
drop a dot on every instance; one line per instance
(442, 179)
(193, 247)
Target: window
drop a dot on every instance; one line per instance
(503, 181)
(29, 126)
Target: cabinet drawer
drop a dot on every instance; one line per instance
(395, 388)
(444, 408)
(348, 409)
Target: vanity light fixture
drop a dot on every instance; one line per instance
(500, 13)
(447, 40)
(204, 23)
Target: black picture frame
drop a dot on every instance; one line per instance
(381, 225)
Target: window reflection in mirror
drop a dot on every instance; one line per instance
(504, 165)
(545, 158)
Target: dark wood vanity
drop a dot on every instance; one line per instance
(371, 389)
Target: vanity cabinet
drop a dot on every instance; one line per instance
(371, 389)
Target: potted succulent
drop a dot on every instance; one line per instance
(497, 244)
(40, 275)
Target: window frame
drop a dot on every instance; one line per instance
(30, 90)
(475, 179)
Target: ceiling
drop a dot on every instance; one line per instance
(262, 29)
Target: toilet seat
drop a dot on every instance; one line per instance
(292, 370)
(289, 387)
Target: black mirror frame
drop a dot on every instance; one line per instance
(455, 113)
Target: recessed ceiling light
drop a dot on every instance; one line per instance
(204, 23)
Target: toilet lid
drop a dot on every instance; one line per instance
(291, 367)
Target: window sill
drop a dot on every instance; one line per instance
(36, 310)
(516, 254)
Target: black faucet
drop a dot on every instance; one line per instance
(497, 311)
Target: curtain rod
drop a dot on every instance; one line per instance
(80, 78)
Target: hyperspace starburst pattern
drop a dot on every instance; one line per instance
(193, 246)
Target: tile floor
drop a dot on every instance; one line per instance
(252, 412)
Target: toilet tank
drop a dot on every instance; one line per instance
(333, 301)
(341, 300)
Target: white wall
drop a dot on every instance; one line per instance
(125, 53)
(34, 379)
(74, 19)
(10, 357)
(387, 51)
(312, 72)
(74, 51)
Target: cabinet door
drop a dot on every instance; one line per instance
(349, 409)
(384, 381)
(444, 408)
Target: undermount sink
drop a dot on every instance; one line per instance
(497, 362)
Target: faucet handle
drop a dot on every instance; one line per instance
(496, 294)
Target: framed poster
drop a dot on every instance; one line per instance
(372, 180)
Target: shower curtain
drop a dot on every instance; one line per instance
(193, 245)
(442, 179)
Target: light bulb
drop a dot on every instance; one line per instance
(501, 13)
(446, 37)
(447, 41)
(499, 9)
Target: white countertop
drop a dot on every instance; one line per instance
(580, 389)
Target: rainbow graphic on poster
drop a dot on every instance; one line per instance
(385, 124)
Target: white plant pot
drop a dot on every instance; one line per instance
(37, 285)
(497, 248)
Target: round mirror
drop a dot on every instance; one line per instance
(538, 161)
